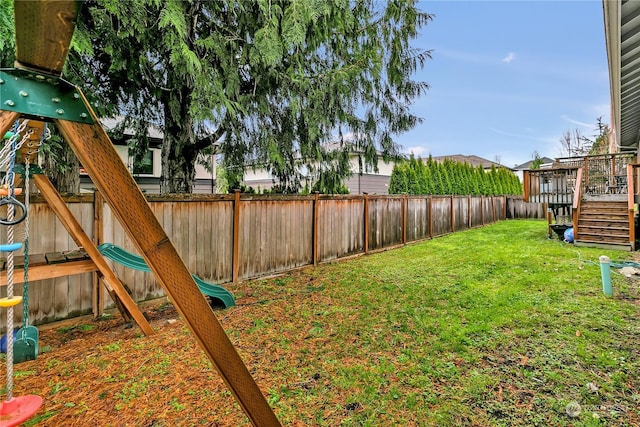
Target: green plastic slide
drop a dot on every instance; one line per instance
(135, 262)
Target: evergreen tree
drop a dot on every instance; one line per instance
(270, 81)
(427, 179)
(483, 181)
(413, 185)
(398, 183)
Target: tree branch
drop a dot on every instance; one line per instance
(210, 139)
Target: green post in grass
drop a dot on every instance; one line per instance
(605, 271)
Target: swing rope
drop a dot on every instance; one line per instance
(9, 179)
(7, 153)
(10, 268)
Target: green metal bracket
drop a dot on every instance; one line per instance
(41, 96)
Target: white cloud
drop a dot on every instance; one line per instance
(576, 122)
(416, 151)
(510, 57)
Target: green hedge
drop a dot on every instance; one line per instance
(451, 178)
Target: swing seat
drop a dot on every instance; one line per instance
(3, 341)
(6, 247)
(25, 347)
(19, 409)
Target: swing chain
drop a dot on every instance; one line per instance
(33, 149)
(25, 269)
(8, 156)
(34, 146)
(11, 146)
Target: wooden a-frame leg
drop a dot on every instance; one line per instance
(7, 119)
(78, 235)
(95, 151)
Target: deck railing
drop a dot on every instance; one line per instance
(554, 186)
(602, 174)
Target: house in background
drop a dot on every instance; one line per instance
(364, 178)
(362, 181)
(601, 193)
(148, 172)
(546, 163)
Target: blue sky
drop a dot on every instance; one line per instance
(509, 78)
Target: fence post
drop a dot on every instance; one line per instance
(493, 210)
(315, 228)
(98, 291)
(404, 219)
(236, 238)
(430, 203)
(453, 220)
(469, 211)
(504, 207)
(366, 223)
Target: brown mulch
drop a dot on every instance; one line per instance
(106, 373)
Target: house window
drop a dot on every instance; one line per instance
(144, 166)
(368, 168)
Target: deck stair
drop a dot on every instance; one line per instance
(604, 223)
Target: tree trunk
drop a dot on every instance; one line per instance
(178, 147)
(178, 167)
(63, 170)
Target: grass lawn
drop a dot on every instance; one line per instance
(495, 326)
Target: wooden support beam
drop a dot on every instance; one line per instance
(43, 32)
(631, 208)
(78, 235)
(50, 271)
(7, 119)
(95, 151)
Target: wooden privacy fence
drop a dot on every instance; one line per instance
(228, 238)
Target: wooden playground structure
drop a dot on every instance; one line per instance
(35, 91)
